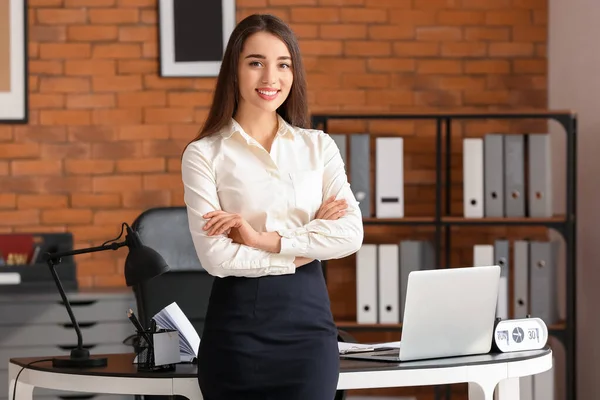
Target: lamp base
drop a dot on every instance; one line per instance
(79, 358)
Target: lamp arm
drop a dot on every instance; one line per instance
(53, 259)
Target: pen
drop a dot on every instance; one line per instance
(137, 325)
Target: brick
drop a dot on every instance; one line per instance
(138, 34)
(441, 33)
(318, 15)
(366, 15)
(91, 133)
(36, 133)
(162, 148)
(365, 81)
(19, 217)
(39, 101)
(114, 16)
(116, 150)
(67, 216)
(439, 66)
(6, 133)
(305, 31)
(65, 150)
(463, 49)
(508, 17)
(136, 3)
(148, 17)
(510, 49)
(345, 31)
(89, 200)
(390, 97)
(92, 33)
(530, 33)
(90, 3)
(92, 101)
(251, 3)
(141, 132)
(46, 67)
(66, 184)
(57, 16)
(65, 117)
(137, 66)
(416, 49)
(162, 181)
(498, 34)
(113, 51)
(36, 167)
(19, 150)
(116, 184)
(341, 97)
(156, 164)
(391, 32)
(190, 99)
(487, 66)
(116, 217)
(391, 65)
(125, 83)
(41, 33)
(367, 48)
(530, 66)
(64, 50)
(89, 167)
(461, 17)
(64, 85)
(167, 115)
(90, 67)
(142, 99)
(146, 199)
(117, 116)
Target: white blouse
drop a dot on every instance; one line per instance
(278, 191)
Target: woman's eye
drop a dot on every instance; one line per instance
(284, 65)
(255, 64)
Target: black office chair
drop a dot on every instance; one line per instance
(166, 230)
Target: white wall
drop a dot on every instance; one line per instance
(574, 83)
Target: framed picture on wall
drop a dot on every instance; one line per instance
(13, 61)
(193, 35)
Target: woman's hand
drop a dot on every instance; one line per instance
(239, 229)
(332, 209)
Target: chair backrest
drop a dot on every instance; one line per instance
(166, 230)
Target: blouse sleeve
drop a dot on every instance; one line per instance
(218, 254)
(325, 239)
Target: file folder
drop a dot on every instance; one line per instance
(473, 177)
(514, 170)
(540, 176)
(542, 284)
(340, 140)
(389, 283)
(493, 144)
(366, 284)
(501, 255)
(389, 177)
(360, 171)
(521, 278)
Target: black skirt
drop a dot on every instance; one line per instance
(270, 337)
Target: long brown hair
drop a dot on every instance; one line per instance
(294, 109)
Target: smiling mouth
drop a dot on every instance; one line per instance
(268, 93)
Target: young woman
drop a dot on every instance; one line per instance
(267, 198)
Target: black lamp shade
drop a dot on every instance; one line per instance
(143, 263)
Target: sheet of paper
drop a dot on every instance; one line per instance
(344, 347)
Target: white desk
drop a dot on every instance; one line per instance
(483, 373)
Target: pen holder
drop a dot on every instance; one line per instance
(156, 355)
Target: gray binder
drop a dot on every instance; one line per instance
(514, 175)
(414, 255)
(493, 158)
(501, 258)
(542, 283)
(360, 171)
(340, 141)
(540, 176)
(521, 278)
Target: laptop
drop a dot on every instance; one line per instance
(447, 312)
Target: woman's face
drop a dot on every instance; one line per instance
(264, 72)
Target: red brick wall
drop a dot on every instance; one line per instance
(106, 132)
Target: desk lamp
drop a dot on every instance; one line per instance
(142, 263)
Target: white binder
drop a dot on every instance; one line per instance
(389, 177)
(388, 264)
(366, 284)
(473, 177)
(483, 255)
(521, 278)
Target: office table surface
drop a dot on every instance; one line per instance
(121, 365)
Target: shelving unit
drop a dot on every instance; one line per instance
(442, 221)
